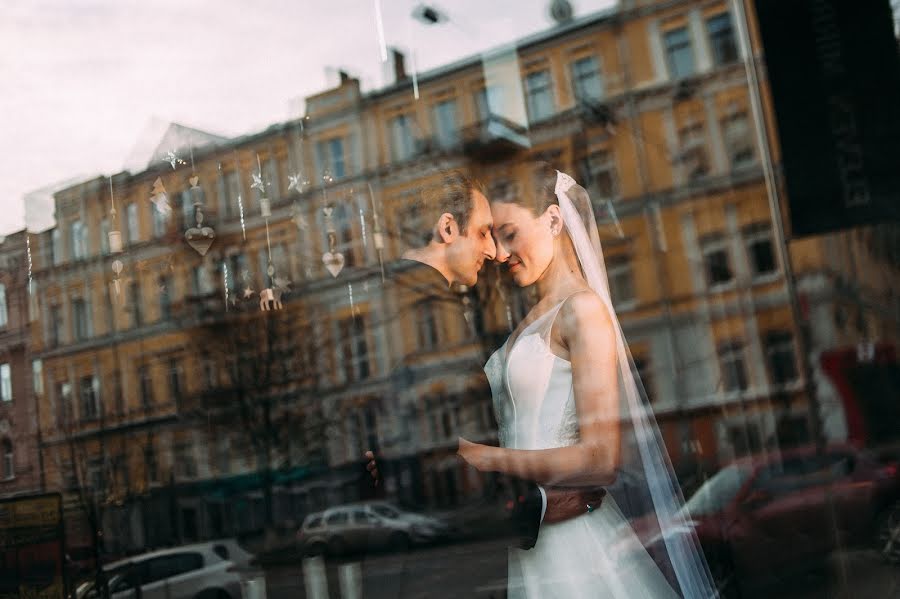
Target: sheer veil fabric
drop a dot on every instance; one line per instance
(646, 490)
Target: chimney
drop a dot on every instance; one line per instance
(345, 77)
(398, 61)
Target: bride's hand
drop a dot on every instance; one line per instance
(475, 454)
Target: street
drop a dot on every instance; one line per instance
(454, 570)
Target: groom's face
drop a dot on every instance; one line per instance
(468, 251)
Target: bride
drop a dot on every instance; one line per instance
(572, 412)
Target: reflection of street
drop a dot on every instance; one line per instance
(442, 571)
(452, 570)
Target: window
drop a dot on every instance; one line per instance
(354, 348)
(445, 127)
(721, 39)
(693, 155)
(734, 372)
(63, 404)
(104, 236)
(56, 325)
(187, 208)
(56, 246)
(716, 262)
(488, 101)
(426, 325)
(761, 250)
(134, 294)
(270, 169)
(81, 316)
(165, 297)
(644, 372)
(780, 354)
(79, 240)
(229, 193)
(185, 460)
(343, 225)
(600, 171)
(336, 518)
(131, 217)
(679, 53)
(4, 312)
(160, 220)
(150, 466)
(330, 154)
(146, 382)
(237, 265)
(539, 95)
(5, 382)
(586, 80)
(37, 375)
(9, 467)
(621, 281)
(201, 281)
(738, 140)
(402, 147)
(89, 390)
(175, 373)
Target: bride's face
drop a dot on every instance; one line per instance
(525, 242)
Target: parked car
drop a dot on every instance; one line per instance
(364, 526)
(197, 571)
(766, 515)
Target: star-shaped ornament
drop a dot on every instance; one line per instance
(248, 292)
(281, 284)
(173, 159)
(258, 182)
(294, 183)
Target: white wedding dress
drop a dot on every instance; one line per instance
(591, 556)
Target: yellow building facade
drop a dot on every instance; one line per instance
(648, 106)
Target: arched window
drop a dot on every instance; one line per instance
(8, 467)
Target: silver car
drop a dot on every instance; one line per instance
(198, 571)
(355, 527)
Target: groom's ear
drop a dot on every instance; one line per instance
(447, 228)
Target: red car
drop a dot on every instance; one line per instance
(766, 515)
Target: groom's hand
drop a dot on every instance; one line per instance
(565, 504)
(372, 467)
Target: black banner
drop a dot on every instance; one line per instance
(834, 71)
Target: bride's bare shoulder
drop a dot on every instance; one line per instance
(585, 311)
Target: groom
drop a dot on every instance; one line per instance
(456, 246)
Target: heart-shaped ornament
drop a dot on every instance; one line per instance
(194, 180)
(328, 210)
(334, 262)
(200, 238)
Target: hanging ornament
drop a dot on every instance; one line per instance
(28, 254)
(173, 159)
(160, 198)
(225, 282)
(248, 292)
(270, 299)
(117, 270)
(377, 236)
(265, 205)
(333, 261)
(200, 237)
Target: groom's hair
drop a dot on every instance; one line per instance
(451, 193)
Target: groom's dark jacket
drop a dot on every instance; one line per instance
(438, 392)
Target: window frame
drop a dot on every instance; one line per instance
(532, 98)
(671, 47)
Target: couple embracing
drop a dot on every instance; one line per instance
(572, 414)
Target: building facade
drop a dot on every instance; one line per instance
(225, 368)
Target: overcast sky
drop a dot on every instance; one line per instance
(85, 80)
